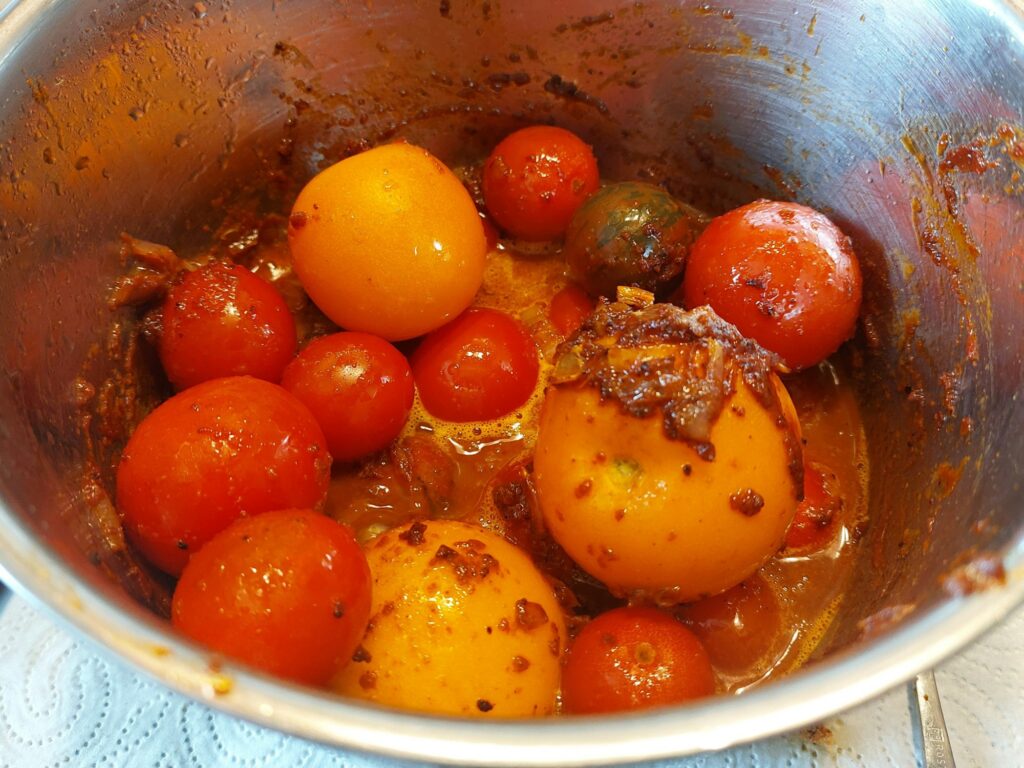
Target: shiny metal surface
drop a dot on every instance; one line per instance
(149, 117)
(935, 747)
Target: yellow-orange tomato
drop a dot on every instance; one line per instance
(388, 242)
(646, 514)
(462, 623)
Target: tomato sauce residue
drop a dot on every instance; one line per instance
(974, 573)
(945, 479)
(966, 158)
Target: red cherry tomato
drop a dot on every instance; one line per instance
(569, 308)
(217, 451)
(358, 387)
(480, 366)
(287, 592)
(738, 627)
(536, 178)
(780, 272)
(634, 658)
(812, 526)
(222, 320)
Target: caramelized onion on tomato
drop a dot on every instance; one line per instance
(668, 460)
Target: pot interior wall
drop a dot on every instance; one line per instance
(154, 118)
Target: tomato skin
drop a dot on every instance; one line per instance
(536, 178)
(359, 388)
(222, 320)
(634, 658)
(490, 233)
(388, 242)
(738, 627)
(783, 274)
(217, 451)
(608, 482)
(569, 308)
(480, 366)
(631, 233)
(812, 526)
(286, 592)
(462, 623)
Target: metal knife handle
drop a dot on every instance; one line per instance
(932, 725)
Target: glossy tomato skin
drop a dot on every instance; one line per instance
(631, 233)
(740, 627)
(814, 522)
(569, 308)
(222, 320)
(783, 274)
(388, 242)
(536, 178)
(634, 658)
(359, 388)
(480, 366)
(644, 514)
(463, 623)
(287, 592)
(217, 451)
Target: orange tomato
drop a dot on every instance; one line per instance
(646, 514)
(388, 242)
(462, 623)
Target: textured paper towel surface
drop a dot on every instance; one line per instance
(63, 705)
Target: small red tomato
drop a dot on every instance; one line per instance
(783, 274)
(739, 627)
(222, 320)
(287, 592)
(634, 658)
(215, 452)
(812, 526)
(480, 366)
(536, 178)
(358, 387)
(569, 308)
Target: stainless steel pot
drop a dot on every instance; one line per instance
(150, 117)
